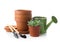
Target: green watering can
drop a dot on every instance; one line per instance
(43, 24)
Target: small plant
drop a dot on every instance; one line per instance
(34, 22)
(34, 28)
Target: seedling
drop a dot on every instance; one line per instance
(34, 23)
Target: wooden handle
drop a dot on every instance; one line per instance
(11, 29)
(14, 29)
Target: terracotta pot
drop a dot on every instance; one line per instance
(22, 17)
(7, 29)
(23, 32)
(34, 31)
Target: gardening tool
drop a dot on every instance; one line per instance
(43, 24)
(23, 36)
(15, 34)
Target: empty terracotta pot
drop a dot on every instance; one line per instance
(22, 17)
(7, 29)
(34, 31)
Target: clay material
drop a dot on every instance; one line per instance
(34, 31)
(22, 17)
(7, 29)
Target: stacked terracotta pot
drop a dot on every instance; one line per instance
(22, 17)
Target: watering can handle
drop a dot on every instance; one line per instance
(35, 17)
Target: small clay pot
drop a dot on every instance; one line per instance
(34, 31)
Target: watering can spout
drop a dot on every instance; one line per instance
(54, 19)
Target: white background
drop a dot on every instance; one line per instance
(45, 8)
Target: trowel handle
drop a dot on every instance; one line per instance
(23, 36)
(11, 29)
(14, 29)
(15, 34)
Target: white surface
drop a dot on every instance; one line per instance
(39, 8)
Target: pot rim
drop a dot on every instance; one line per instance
(22, 10)
(33, 26)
